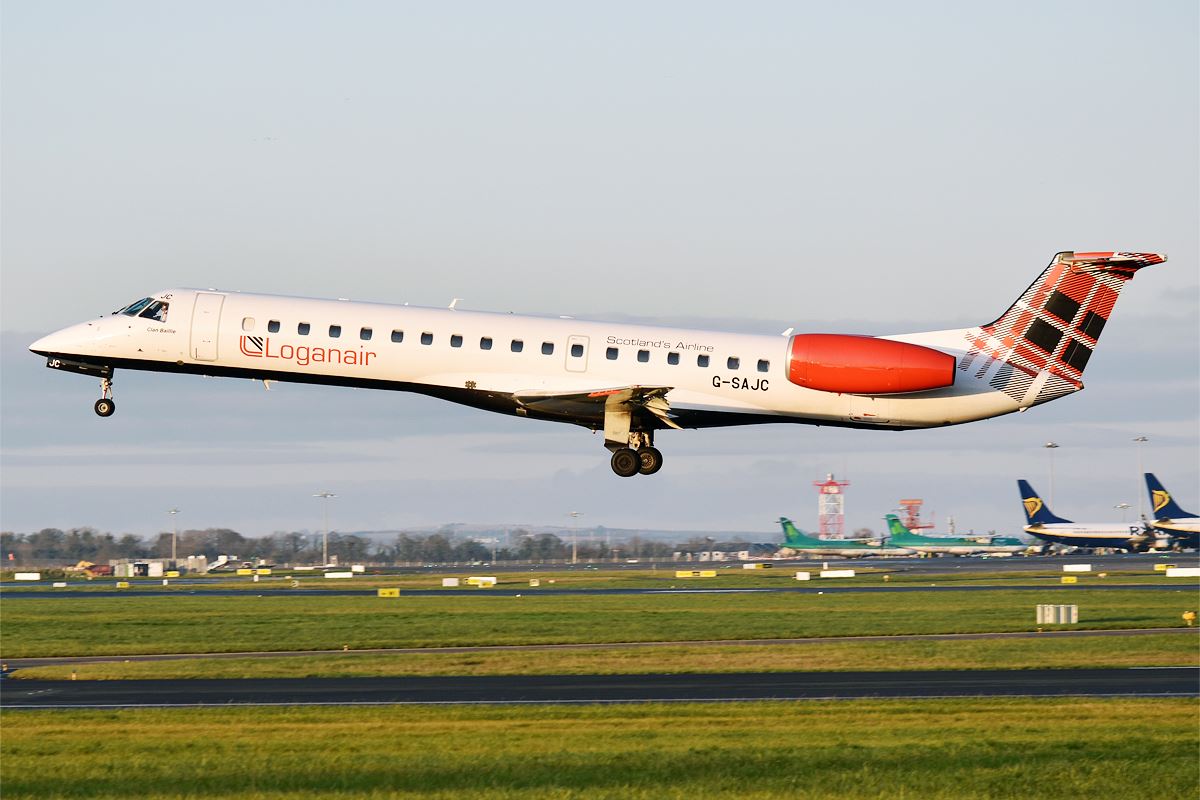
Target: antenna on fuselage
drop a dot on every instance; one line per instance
(454, 302)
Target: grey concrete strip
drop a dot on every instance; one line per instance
(18, 663)
(509, 689)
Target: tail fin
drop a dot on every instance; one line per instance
(896, 527)
(791, 534)
(1164, 507)
(1055, 325)
(1036, 511)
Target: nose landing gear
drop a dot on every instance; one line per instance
(105, 406)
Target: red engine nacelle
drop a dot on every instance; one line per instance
(832, 362)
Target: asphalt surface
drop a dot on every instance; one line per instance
(508, 689)
(13, 664)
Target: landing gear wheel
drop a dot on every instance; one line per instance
(625, 462)
(105, 407)
(650, 460)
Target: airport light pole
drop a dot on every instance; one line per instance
(1138, 441)
(1050, 448)
(326, 496)
(174, 533)
(574, 515)
(1122, 507)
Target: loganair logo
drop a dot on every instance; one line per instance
(1160, 498)
(303, 355)
(1032, 505)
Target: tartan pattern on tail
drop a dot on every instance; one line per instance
(1054, 326)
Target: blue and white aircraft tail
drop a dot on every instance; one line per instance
(1167, 517)
(1047, 526)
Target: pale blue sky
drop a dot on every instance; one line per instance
(869, 167)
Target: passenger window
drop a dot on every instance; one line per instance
(732, 362)
(547, 348)
(365, 334)
(397, 336)
(611, 354)
(302, 328)
(764, 365)
(672, 358)
(335, 331)
(157, 311)
(576, 351)
(426, 338)
(456, 341)
(273, 326)
(643, 356)
(485, 343)
(247, 323)
(701, 361)
(517, 345)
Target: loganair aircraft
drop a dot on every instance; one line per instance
(1169, 518)
(1050, 528)
(628, 380)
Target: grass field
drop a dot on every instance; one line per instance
(184, 624)
(934, 750)
(1138, 651)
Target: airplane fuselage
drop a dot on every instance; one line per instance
(628, 380)
(493, 360)
(1082, 534)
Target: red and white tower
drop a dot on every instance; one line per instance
(831, 507)
(912, 514)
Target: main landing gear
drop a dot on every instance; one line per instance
(105, 406)
(641, 457)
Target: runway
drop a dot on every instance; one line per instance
(575, 689)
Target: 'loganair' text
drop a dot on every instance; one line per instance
(304, 355)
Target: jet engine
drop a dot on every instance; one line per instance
(831, 362)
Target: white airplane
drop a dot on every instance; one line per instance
(627, 380)
(1169, 519)
(1048, 527)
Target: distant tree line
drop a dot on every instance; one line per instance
(52, 546)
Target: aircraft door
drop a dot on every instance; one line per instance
(206, 320)
(577, 353)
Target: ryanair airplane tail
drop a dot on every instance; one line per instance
(1161, 503)
(1036, 511)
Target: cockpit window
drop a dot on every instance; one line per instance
(156, 311)
(135, 308)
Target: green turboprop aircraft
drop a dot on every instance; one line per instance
(795, 539)
(946, 545)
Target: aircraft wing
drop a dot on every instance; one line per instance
(595, 405)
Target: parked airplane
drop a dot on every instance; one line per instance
(900, 536)
(1169, 518)
(795, 539)
(1048, 527)
(627, 380)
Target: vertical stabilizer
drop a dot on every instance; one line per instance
(1162, 505)
(1044, 340)
(896, 528)
(1036, 511)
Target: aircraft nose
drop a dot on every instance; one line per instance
(58, 342)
